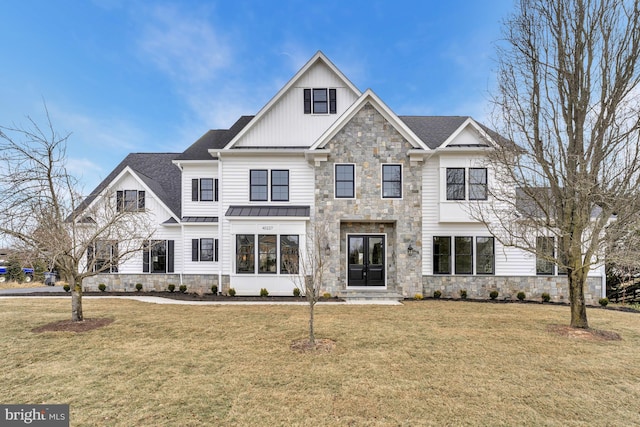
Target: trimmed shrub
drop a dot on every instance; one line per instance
(296, 292)
(603, 301)
(231, 292)
(171, 287)
(326, 295)
(264, 292)
(138, 287)
(437, 294)
(546, 297)
(183, 288)
(417, 297)
(493, 294)
(102, 287)
(214, 289)
(463, 294)
(521, 296)
(66, 288)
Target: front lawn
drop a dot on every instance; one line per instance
(423, 363)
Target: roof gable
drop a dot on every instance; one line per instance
(318, 65)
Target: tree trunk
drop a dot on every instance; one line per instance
(76, 301)
(312, 337)
(576, 296)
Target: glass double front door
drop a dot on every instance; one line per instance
(366, 265)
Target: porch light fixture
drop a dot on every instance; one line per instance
(327, 250)
(410, 250)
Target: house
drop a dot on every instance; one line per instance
(235, 209)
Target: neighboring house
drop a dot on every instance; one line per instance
(391, 190)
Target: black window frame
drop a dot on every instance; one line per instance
(130, 200)
(197, 190)
(263, 187)
(313, 105)
(96, 263)
(456, 187)
(460, 257)
(276, 196)
(478, 190)
(484, 258)
(545, 253)
(289, 254)
(392, 181)
(157, 246)
(337, 180)
(438, 255)
(246, 257)
(267, 254)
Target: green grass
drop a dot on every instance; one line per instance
(424, 363)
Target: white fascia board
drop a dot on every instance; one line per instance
(181, 163)
(319, 56)
(476, 126)
(128, 170)
(382, 108)
(272, 152)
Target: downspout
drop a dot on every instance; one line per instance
(220, 192)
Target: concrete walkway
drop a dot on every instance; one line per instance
(159, 300)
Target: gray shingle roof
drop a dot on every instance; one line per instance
(213, 139)
(156, 170)
(301, 211)
(433, 130)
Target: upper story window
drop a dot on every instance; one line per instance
(320, 101)
(457, 184)
(130, 200)
(280, 185)
(391, 181)
(258, 182)
(259, 185)
(204, 190)
(345, 177)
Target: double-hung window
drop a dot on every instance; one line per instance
(319, 101)
(391, 181)
(345, 181)
(204, 190)
(545, 255)
(259, 185)
(158, 256)
(130, 200)
(463, 255)
(485, 255)
(455, 184)
(477, 183)
(441, 255)
(102, 257)
(280, 185)
(465, 261)
(204, 249)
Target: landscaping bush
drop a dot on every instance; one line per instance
(183, 288)
(231, 292)
(296, 292)
(138, 287)
(546, 297)
(603, 301)
(417, 297)
(102, 287)
(493, 294)
(437, 294)
(463, 293)
(521, 296)
(66, 288)
(214, 289)
(171, 287)
(326, 295)
(264, 292)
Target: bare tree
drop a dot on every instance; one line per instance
(311, 265)
(42, 213)
(567, 96)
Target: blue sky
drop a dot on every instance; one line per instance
(145, 76)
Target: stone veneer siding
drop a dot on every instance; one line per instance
(508, 287)
(368, 141)
(196, 283)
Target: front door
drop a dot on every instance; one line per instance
(366, 260)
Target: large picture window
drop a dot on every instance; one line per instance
(245, 253)
(463, 255)
(391, 181)
(345, 181)
(485, 255)
(267, 254)
(258, 185)
(441, 255)
(289, 254)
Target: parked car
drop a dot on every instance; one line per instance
(28, 272)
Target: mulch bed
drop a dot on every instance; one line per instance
(583, 334)
(70, 326)
(322, 345)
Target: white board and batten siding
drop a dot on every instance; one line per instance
(286, 125)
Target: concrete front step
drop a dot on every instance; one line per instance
(369, 295)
